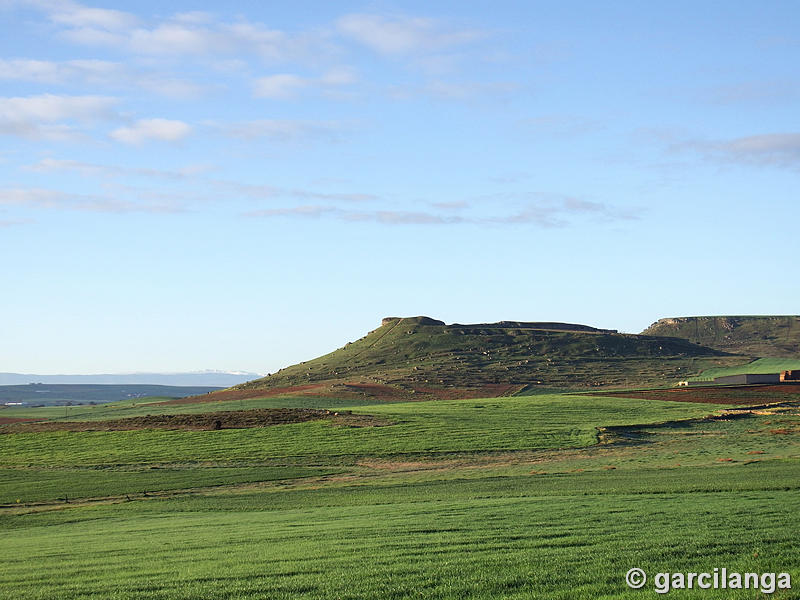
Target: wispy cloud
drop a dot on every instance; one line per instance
(560, 125)
(42, 198)
(55, 72)
(261, 192)
(308, 211)
(770, 149)
(281, 130)
(450, 90)
(284, 86)
(144, 130)
(281, 86)
(192, 34)
(213, 189)
(77, 15)
(403, 35)
(52, 117)
(754, 92)
(13, 222)
(52, 165)
(94, 72)
(548, 213)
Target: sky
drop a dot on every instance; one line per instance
(242, 186)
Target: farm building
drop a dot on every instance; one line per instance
(790, 375)
(745, 378)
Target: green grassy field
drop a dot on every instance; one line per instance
(494, 498)
(421, 428)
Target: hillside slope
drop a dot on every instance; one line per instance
(757, 336)
(421, 357)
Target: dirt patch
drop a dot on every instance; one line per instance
(225, 395)
(356, 390)
(750, 394)
(371, 390)
(7, 420)
(236, 419)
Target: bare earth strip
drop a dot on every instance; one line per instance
(237, 419)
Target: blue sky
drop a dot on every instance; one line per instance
(190, 185)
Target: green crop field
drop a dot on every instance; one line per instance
(518, 423)
(519, 497)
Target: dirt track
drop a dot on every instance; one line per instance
(238, 419)
(353, 389)
(745, 394)
(7, 420)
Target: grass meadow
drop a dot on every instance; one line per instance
(495, 498)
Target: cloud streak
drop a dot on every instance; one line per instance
(194, 34)
(42, 198)
(52, 165)
(144, 130)
(544, 214)
(95, 72)
(284, 86)
(402, 35)
(52, 117)
(780, 150)
(281, 130)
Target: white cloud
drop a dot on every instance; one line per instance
(771, 149)
(50, 107)
(402, 35)
(49, 116)
(281, 130)
(767, 144)
(281, 86)
(545, 213)
(53, 199)
(309, 211)
(52, 165)
(262, 191)
(163, 130)
(284, 86)
(465, 90)
(176, 38)
(758, 93)
(13, 222)
(78, 15)
(184, 34)
(339, 76)
(98, 73)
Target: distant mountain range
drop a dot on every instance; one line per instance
(196, 378)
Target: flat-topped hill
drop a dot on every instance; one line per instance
(757, 336)
(423, 357)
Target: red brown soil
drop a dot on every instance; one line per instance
(223, 395)
(354, 390)
(746, 394)
(372, 390)
(236, 419)
(7, 420)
